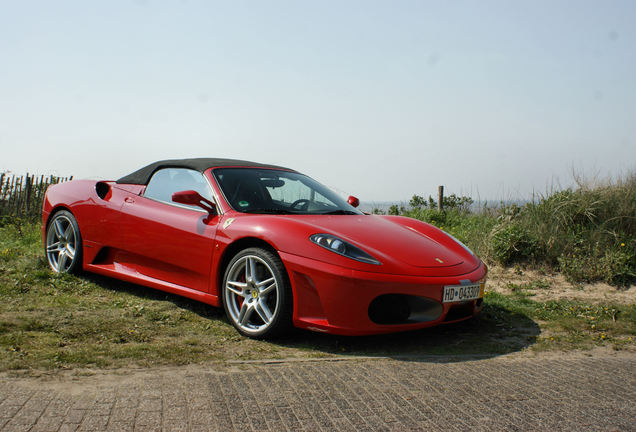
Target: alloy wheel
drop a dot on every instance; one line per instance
(61, 243)
(252, 296)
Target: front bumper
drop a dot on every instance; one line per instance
(334, 299)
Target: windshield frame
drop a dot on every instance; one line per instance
(340, 205)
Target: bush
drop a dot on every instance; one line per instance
(578, 267)
(618, 267)
(511, 243)
(418, 202)
(450, 202)
(587, 233)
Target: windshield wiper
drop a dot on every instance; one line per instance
(340, 212)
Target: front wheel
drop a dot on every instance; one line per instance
(63, 243)
(256, 294)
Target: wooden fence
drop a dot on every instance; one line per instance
(22, 196)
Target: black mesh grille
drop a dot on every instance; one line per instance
(459, 311)
(403, 309)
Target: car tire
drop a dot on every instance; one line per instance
(256, 294)
(63, 243)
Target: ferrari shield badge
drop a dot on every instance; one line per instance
(227, 222)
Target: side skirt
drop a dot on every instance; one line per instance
(128, 275)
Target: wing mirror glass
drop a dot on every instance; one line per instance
(190, 197)
(353, 201)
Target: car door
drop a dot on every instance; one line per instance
(168, 241)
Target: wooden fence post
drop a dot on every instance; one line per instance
(18, 195)
(440, 198)
(11, 195)
(27, 193)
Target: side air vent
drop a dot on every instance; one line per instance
(103, 190)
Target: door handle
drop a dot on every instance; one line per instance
(129, 200)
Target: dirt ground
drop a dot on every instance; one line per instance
(552, 286)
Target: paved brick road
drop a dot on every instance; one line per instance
(596, 393)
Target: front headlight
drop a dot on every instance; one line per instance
(341, 247)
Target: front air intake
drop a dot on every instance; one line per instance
(460, 311)
(403, 309)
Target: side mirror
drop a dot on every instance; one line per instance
(190, 197)
(353, 201)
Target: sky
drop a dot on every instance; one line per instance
(379, 99)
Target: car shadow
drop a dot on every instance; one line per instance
(496, 331)
(202, 309)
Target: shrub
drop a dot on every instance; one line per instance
(512, 243)
(588, 233)
(618, 267)
(578, 267)
(418, 201)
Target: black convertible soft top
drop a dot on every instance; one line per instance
(142, 176)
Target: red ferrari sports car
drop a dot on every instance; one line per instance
(272, 246)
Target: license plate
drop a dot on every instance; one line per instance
(457, 293)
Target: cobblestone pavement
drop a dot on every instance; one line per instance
(519, 393)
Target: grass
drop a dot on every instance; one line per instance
(50, 321)
(587, 233)
(567, 324)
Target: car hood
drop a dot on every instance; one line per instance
(403, 245)
(382, 237)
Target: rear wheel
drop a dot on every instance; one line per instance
(64, 243)
(257, 295)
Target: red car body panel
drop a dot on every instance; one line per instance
(184, 251)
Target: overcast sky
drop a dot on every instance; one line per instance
(380, 99)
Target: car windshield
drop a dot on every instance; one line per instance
(270, 191)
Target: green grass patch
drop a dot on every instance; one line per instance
(50, 321)
(568, 324)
